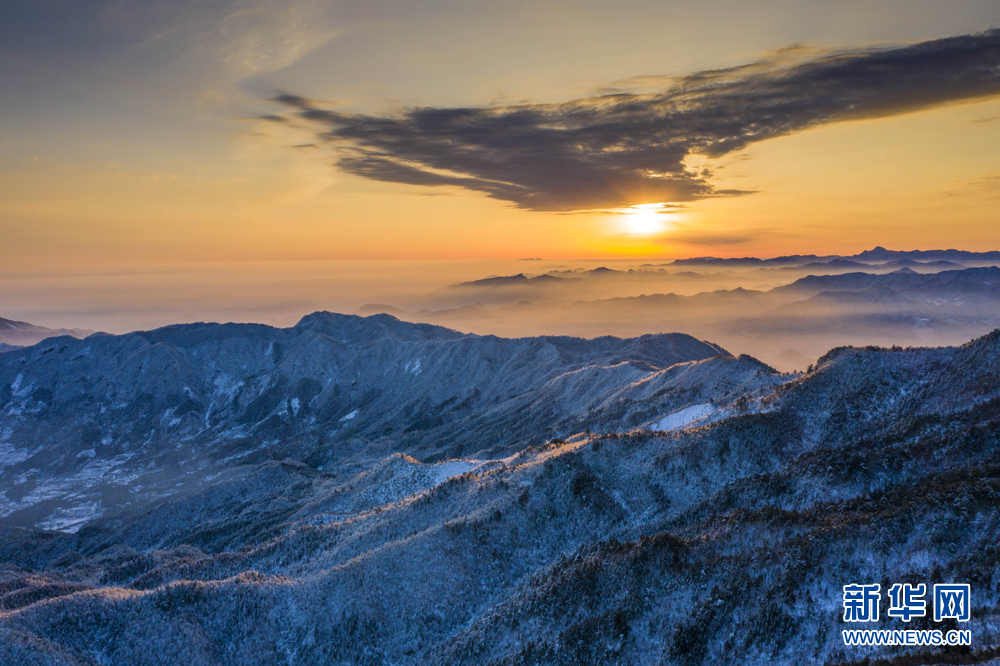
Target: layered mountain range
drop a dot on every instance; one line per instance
(842, 305)
(15, 334)
(786, 311)
(370, 491)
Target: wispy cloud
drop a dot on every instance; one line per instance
(987, 183)
(626, 147)
(706, 238)
(231, 39)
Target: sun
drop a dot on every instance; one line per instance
(644, 219)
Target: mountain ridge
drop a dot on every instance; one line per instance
(725, 541)
(83, 418)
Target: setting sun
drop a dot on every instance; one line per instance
(644, 219)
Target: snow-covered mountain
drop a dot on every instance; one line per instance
(474, 500)
(90, 424)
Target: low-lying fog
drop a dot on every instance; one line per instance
(786, 311)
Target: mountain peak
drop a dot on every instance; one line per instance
(359, 329)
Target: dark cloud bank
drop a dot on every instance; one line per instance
(626, 148)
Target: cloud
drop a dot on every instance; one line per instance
(705, 238)
(627, 147)
(987, 183)
(295, 101)
(692, 234)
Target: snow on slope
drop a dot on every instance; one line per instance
(683, 417)
(203, 398)
(724, 544)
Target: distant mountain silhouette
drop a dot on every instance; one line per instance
(19, 333)
(880, 254)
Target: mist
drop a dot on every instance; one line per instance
(786, 311)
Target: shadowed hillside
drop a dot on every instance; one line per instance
(706, 511)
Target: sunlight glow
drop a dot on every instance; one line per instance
(644, 219)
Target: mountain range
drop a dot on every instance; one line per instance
(370, 491)
(806, 315)
(89, 422)
(15, 334)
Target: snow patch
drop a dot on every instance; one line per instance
(683, 417)
(400, 476)
(19, 390)
(169, 418)
(447, 470)
(9, 454)
(72, 519)
(227, 386)
(348, 417)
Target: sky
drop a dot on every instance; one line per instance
(191, 136)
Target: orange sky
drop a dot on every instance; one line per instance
(131, 139)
